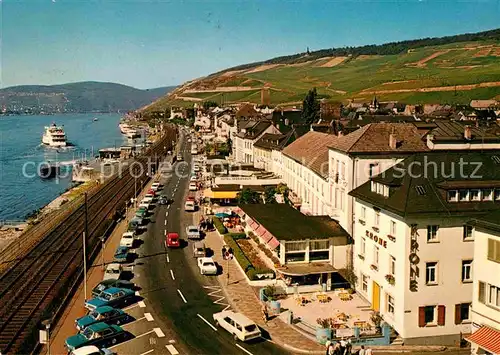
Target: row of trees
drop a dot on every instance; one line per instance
(249, 196)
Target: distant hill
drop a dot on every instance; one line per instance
(452, 69)
(86, 96)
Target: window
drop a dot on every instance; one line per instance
(376, 220)
(392, 265)
(320, 244)
(475, 195)
(292, 257)
(453, 195)
(363, 213)
(466, 270)
(373, 169)
(429, 314)
(468, 233)
(390, 304)
(393, 228)
(494, 250)
(487, 194)
(462, 312)
(497, 194)
(432, 233)
(494, 296)
(430, 273)
(482, 292)
(362, 248)
(319, 255)
(295, 246)
(364, 283)
(342, 192)
(464, 195)
(375, 255)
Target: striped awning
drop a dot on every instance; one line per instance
(260, 231)
(487, 338)
(273, 243)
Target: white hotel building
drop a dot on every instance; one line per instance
(413, 249)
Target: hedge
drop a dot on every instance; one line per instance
(218, 224)
(237, 235)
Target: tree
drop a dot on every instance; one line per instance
(229, 145)
(248, 196)
(310, 107)
(269, 195)
(284, 190)
(209, 104)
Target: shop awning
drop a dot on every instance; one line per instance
(487, 338)
(273, 243)
(306, 269)
(220, 194)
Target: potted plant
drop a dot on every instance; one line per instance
(324, 330)
(374, 267)
(271, 296)
(377, 319)
(390, 279)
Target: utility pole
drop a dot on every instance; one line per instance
(85, 233)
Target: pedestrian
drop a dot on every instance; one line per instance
(348, 347)
(330, 349)
(265, 313)
(362, 351)
(336, 348)
(342, 346)
(368, 351)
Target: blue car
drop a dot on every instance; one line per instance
(98, 334)
(112, 297)
(121, 254)
(105, 284)
(105, 314)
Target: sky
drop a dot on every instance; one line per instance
(149, 44)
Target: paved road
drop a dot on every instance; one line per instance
(173, 287)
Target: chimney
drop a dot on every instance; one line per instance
(467, 133)
(392, 140)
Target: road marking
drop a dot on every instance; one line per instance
(172, 349)
(147, 352)
(165, 232)
(158, 332)
(217, 292)
(182, 296)
(165, 222)
(142, 304)
(168, 207)
(206, 321)
(166, 214)
(168, 259)
(242, 348)
(148, 317)
(172, 274)
(138, 336)
(135, 321)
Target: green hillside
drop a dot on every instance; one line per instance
(453, 72)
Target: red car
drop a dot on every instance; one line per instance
(152, 192)
(173, 240)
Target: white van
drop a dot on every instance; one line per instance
(190, 206)
(242, 327)
(91, 350)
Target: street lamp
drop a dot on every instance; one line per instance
(47, 324)
(102, 252)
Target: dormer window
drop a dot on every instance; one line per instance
(487, 194)
(497, 194)
(453, 195)
(464, 195)
(380, 189)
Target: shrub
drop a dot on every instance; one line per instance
(268, 253)
(218, 224)
(237, 235)
(238, 253)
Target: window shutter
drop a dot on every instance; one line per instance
(421, 316)
(491, 249)
(458, 316)
(441, 315)
(482, 292)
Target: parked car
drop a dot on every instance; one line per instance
(105, 314)
(193, 232)
(141, 212)
(242, 327)
(127, 239)
(144, 205)
(121, 254)
(172, 240)
(190, 206)
(98, 334)
(147, 199)
(193, 186)
(113, 271)
(199, 250)
(193, 178)
(155, 186)
(91, 350)
(207, 266)
(112, 297)
(104, 285)
(134, 224)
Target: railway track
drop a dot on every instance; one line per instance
(35, 284)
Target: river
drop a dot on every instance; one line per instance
(21, 190)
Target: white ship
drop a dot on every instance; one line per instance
(54, 136)
(124, 128)
(128, 131)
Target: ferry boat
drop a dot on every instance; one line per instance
(54, 136)
(132, 133)
(124, 128)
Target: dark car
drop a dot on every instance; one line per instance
(113, 297)
(121, 254)
(106, 314)
(103, 285)
(98, 334)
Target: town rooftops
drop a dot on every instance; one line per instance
(375, 138)
(438, 184)
(483, 104)
(274, 141)
(254, 129)
(286, 223)
(248, 111)
(311, 150)
(452, 132)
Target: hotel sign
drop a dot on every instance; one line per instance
(376, 239)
